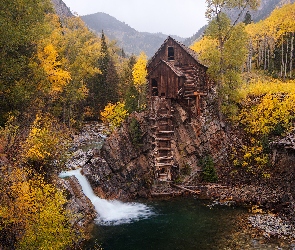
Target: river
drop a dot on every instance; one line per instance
(178, 223)
(183, 223)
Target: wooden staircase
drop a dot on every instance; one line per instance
(163, 133)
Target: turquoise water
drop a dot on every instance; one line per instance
(181, 223)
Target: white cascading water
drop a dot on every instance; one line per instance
(111, 212)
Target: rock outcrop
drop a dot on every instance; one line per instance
(126, 170)
(122, 170)
(61, 9)
(77, 203)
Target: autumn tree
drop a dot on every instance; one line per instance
(127, 90)
(45, 148)
(230, 39)
(22, 24)
(79, 49)
(32, 213)
(225, 65)
(139, 74)
(271, 43)
(114, 114)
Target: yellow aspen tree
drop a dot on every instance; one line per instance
(114, 114)
(46, 145)
(57, 77)
(139, 70)
(139, 74)
(223, 30)
(34, 211)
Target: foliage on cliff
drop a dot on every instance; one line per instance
(239, 57)
(114, 114)
(32, 214)
(266, 110)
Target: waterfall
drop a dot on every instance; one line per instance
(111, 212)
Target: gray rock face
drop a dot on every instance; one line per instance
(287, 143)
(61, 8)
(78, 203)
(125, 171)
(121, 170)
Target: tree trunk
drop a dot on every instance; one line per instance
(286, 62)
(265, 54)
(282, 62)
(268, 58)
(291, 54)
(249, 61)
(64, 113)
(250, 56)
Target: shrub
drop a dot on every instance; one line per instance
(46, 145)
(135, 132)
(114, 114)
(186, 169)
(209, 172)
(32, 212)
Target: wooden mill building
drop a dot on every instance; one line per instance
(174, 74)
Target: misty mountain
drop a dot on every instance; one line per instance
(264, 10)
(189, 41)
(131, 40)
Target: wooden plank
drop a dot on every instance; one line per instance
(200, 93)
(164, 158)
(162, 149)
(163, 139)
(163, 165)
(165, 132)
(186, 189)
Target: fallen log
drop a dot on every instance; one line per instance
(186, 189)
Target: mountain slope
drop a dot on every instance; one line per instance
(131, 40)
(264, 10)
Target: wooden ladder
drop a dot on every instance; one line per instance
(163, 133)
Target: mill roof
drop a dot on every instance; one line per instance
(185, 48)
(170, 65)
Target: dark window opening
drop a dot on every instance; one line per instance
(163, 94)
(170, 53)
(154, 87)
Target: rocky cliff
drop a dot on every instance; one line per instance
(124, 169)
(61, 8)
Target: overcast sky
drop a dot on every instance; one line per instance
(171, 17)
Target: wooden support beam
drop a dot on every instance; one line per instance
(186, 189)
(198, 100)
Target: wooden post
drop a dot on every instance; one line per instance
(198, 101)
